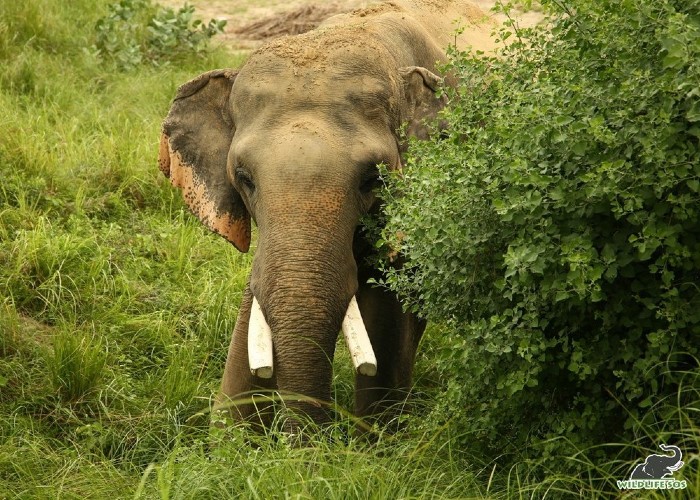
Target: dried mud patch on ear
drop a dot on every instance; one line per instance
(293, 22)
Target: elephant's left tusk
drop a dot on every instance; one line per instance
(358, 342)
(259, 343)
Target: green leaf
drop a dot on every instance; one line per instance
(676, 53)
(562, 120)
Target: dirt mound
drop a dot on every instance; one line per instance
(291, 22)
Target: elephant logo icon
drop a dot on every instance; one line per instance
(659, 466)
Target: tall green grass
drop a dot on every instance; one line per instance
(116, 304)
(116, 308)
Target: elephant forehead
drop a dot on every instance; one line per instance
(285, 87)
(337, 75)
(341, 108)
(305, 143)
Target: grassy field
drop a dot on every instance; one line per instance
(116, 308)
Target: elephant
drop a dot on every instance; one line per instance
(659, 466)
(292, 141)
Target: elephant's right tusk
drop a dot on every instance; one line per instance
(259, 343)
(358, 342)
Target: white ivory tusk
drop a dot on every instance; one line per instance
(259, 343)
(358, 342)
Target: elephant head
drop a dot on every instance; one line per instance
(659, 466)
(293, 141)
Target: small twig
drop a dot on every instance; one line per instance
(506, 11)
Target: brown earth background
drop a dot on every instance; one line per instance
(251, 22)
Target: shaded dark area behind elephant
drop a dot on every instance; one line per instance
(293, 141)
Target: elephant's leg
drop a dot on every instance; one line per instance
(238, 382)
(394, 336)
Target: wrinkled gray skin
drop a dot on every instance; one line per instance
(293, 140)
(659, 466)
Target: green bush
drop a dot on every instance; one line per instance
(554, 230)
(136, 31)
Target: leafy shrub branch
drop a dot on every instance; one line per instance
(555, 231)
(137, 31)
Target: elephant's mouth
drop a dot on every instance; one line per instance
(260, 356)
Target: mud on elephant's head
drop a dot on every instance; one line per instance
(293, 141)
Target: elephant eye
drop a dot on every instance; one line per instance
(243, 178)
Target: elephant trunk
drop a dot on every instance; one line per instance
(304, 286)
(676, 453)
(260, 356)
(304, 328)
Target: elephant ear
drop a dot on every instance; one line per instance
(196, 137)
(422, 104)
